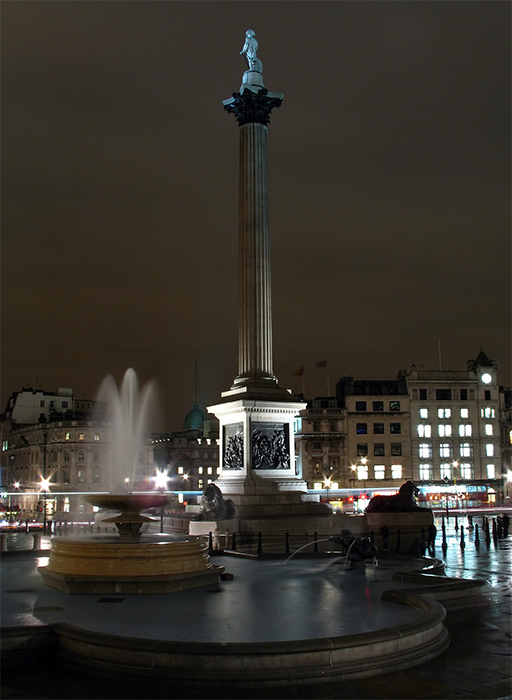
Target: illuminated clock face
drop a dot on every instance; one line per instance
(486, 378)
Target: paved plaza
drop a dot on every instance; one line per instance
(476, 665)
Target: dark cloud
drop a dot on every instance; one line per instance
(389, 167)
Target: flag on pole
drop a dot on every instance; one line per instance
(299, 372)
(321, 363)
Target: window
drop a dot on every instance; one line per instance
(180, 470)
(396, 471)
(465, 430)
(510, 437)
(96, 456)
(378, 428)
(465, 471)
(64, 404)
(362, 449)
(362, 471)
(445, 449)
(81, 436)
(361, 428)
(81, 476)
(464, 412)
(66, 457)
(317, 445)
(316, 426)
(396, 449)
(487, 412)
(488, 429)
(424, 413)
(80, 456)
(395, 428)
(491, 471)
(378, 449)
(465, 449)
(425, 472)
(317, 485)
(96, 478)
(489, 450)
(463, 394)
(487, 395)
(360, 405)
(424, 430)
(333, 426)
(41, 403)
(444, 412)
(394, 405)
(425, 450)
(67, 436)
(444, 430)
(200, 470)
(379, 471)
(445, 470)
(96, 437)
(200, 483)
(443, 394)
(378, 405)
(65, 476)
(423, 394)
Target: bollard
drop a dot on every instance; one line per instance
(477, 538)
(260, 546)
(287, 543)
(456, 524)
(4, 543)
(233, 542)
(210, 541)
(462, 543)
(37, 541)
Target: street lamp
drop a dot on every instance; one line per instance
(44, 486)
(327, 485)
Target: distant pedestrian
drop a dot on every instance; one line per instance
(384, 531)
(431, 541)
(506, 525)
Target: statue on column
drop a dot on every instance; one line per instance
(249, 51)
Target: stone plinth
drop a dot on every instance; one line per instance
(410, 525)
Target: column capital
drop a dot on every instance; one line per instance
(252, 105)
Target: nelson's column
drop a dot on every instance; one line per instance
(256, 416)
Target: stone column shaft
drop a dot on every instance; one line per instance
(255, 306)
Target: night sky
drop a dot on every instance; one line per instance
(389, 173)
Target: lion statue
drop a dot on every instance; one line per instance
(402, 502)
(213, 505)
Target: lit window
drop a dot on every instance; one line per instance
(180, 470)
(396, 449)
(445, 449)
(465, 471)
(200, 470)
(218, 470)
(425, 472)
(444, 412)
(317, 485)
(488, 429)
(380, 471)
(465, 430)
(394, 405)
(510, 437)
(425, 450)
(65, 477)
(96, 436)
(200, 483)
(362, 471)
(67, 436)
(465, 449)
(424, 413)
(361, 428)
(464, 412)
(444, 430)
(210, 470)
(445, 470)
(66, 505)
(489, 449)
(396, 471)
(81, 436)
(81, 476)
(424, 430)
(487, 412)
(491, 471)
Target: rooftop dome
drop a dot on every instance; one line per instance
(194, 419)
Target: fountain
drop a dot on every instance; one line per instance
(131, 562)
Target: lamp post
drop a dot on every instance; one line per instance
(327, 485)
(161, 478)
(44, 481)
